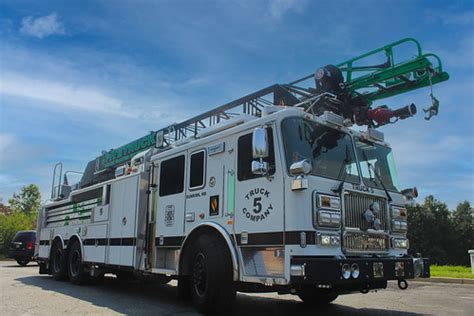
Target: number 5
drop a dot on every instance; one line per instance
(257, 204)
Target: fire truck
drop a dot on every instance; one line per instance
(275, 191)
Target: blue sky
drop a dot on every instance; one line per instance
(78, 77)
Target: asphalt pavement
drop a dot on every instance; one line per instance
(24, 292)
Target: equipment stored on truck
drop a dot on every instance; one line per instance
(271, 192)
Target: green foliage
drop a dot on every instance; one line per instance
(464, 228)
(10, 224)
(27, 201)
(439, 234)
(21, 214)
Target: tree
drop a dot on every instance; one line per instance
(4, 209)
(430, 231)
(27, 201)
(464, 227)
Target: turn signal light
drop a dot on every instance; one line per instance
(29, 246)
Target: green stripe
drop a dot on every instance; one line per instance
(231, 192)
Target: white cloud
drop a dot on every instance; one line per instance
(14, 152)
(42, 26)
(278, 8)
(451, 17)
(60, 93)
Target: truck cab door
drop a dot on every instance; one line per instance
(170, 201)
(259, 203)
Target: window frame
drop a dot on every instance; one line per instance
(351, 136)
(271, 130)
(204, 170)
(161, 173)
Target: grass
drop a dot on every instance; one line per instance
(451, 272)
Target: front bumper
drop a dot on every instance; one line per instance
(373, 272)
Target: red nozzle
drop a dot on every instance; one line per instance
(381, 115)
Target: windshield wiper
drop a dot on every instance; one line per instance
(347, 160)
(379, 178)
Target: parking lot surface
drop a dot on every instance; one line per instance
(24, 292)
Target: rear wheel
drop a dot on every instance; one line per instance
(75, 266)
(23, 262)
(58, 262)
(312, 296)
(184, 288)
(212, 287)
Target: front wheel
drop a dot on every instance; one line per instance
(23, 262)
(212, 287)
(75, 266)
(311, 296)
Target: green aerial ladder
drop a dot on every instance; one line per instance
(348, 89)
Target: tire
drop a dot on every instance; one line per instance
(311, 296)
(184, 288)
(23, 262)
(75, 268)
(212, 287)
(58, 262)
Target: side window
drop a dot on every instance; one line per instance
(244, 156)
(196, 170)
(172, 176)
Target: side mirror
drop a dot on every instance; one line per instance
(259, 168)
(302, 167)
(260, 143)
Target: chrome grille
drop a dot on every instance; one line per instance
(365, 242)
(356, 203)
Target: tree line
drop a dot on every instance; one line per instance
(434, 231)
(442, 235)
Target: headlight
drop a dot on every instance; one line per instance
(346, 271)
(399, 212)
(328, 202)
(327, 211)
(328, 219)
(401, 243)
(355, 270)
(329, 240)
(399, 225)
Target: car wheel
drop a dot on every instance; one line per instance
(212, 287)
(58, 262)
(23, 262)
(311, 296)
(75, 266)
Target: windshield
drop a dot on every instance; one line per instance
(330, 150)
(377, 158)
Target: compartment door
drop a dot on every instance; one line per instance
(122, 213)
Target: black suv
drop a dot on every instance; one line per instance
(22, 247)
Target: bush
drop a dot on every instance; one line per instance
(10, 224)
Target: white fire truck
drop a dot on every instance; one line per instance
(271, 192)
